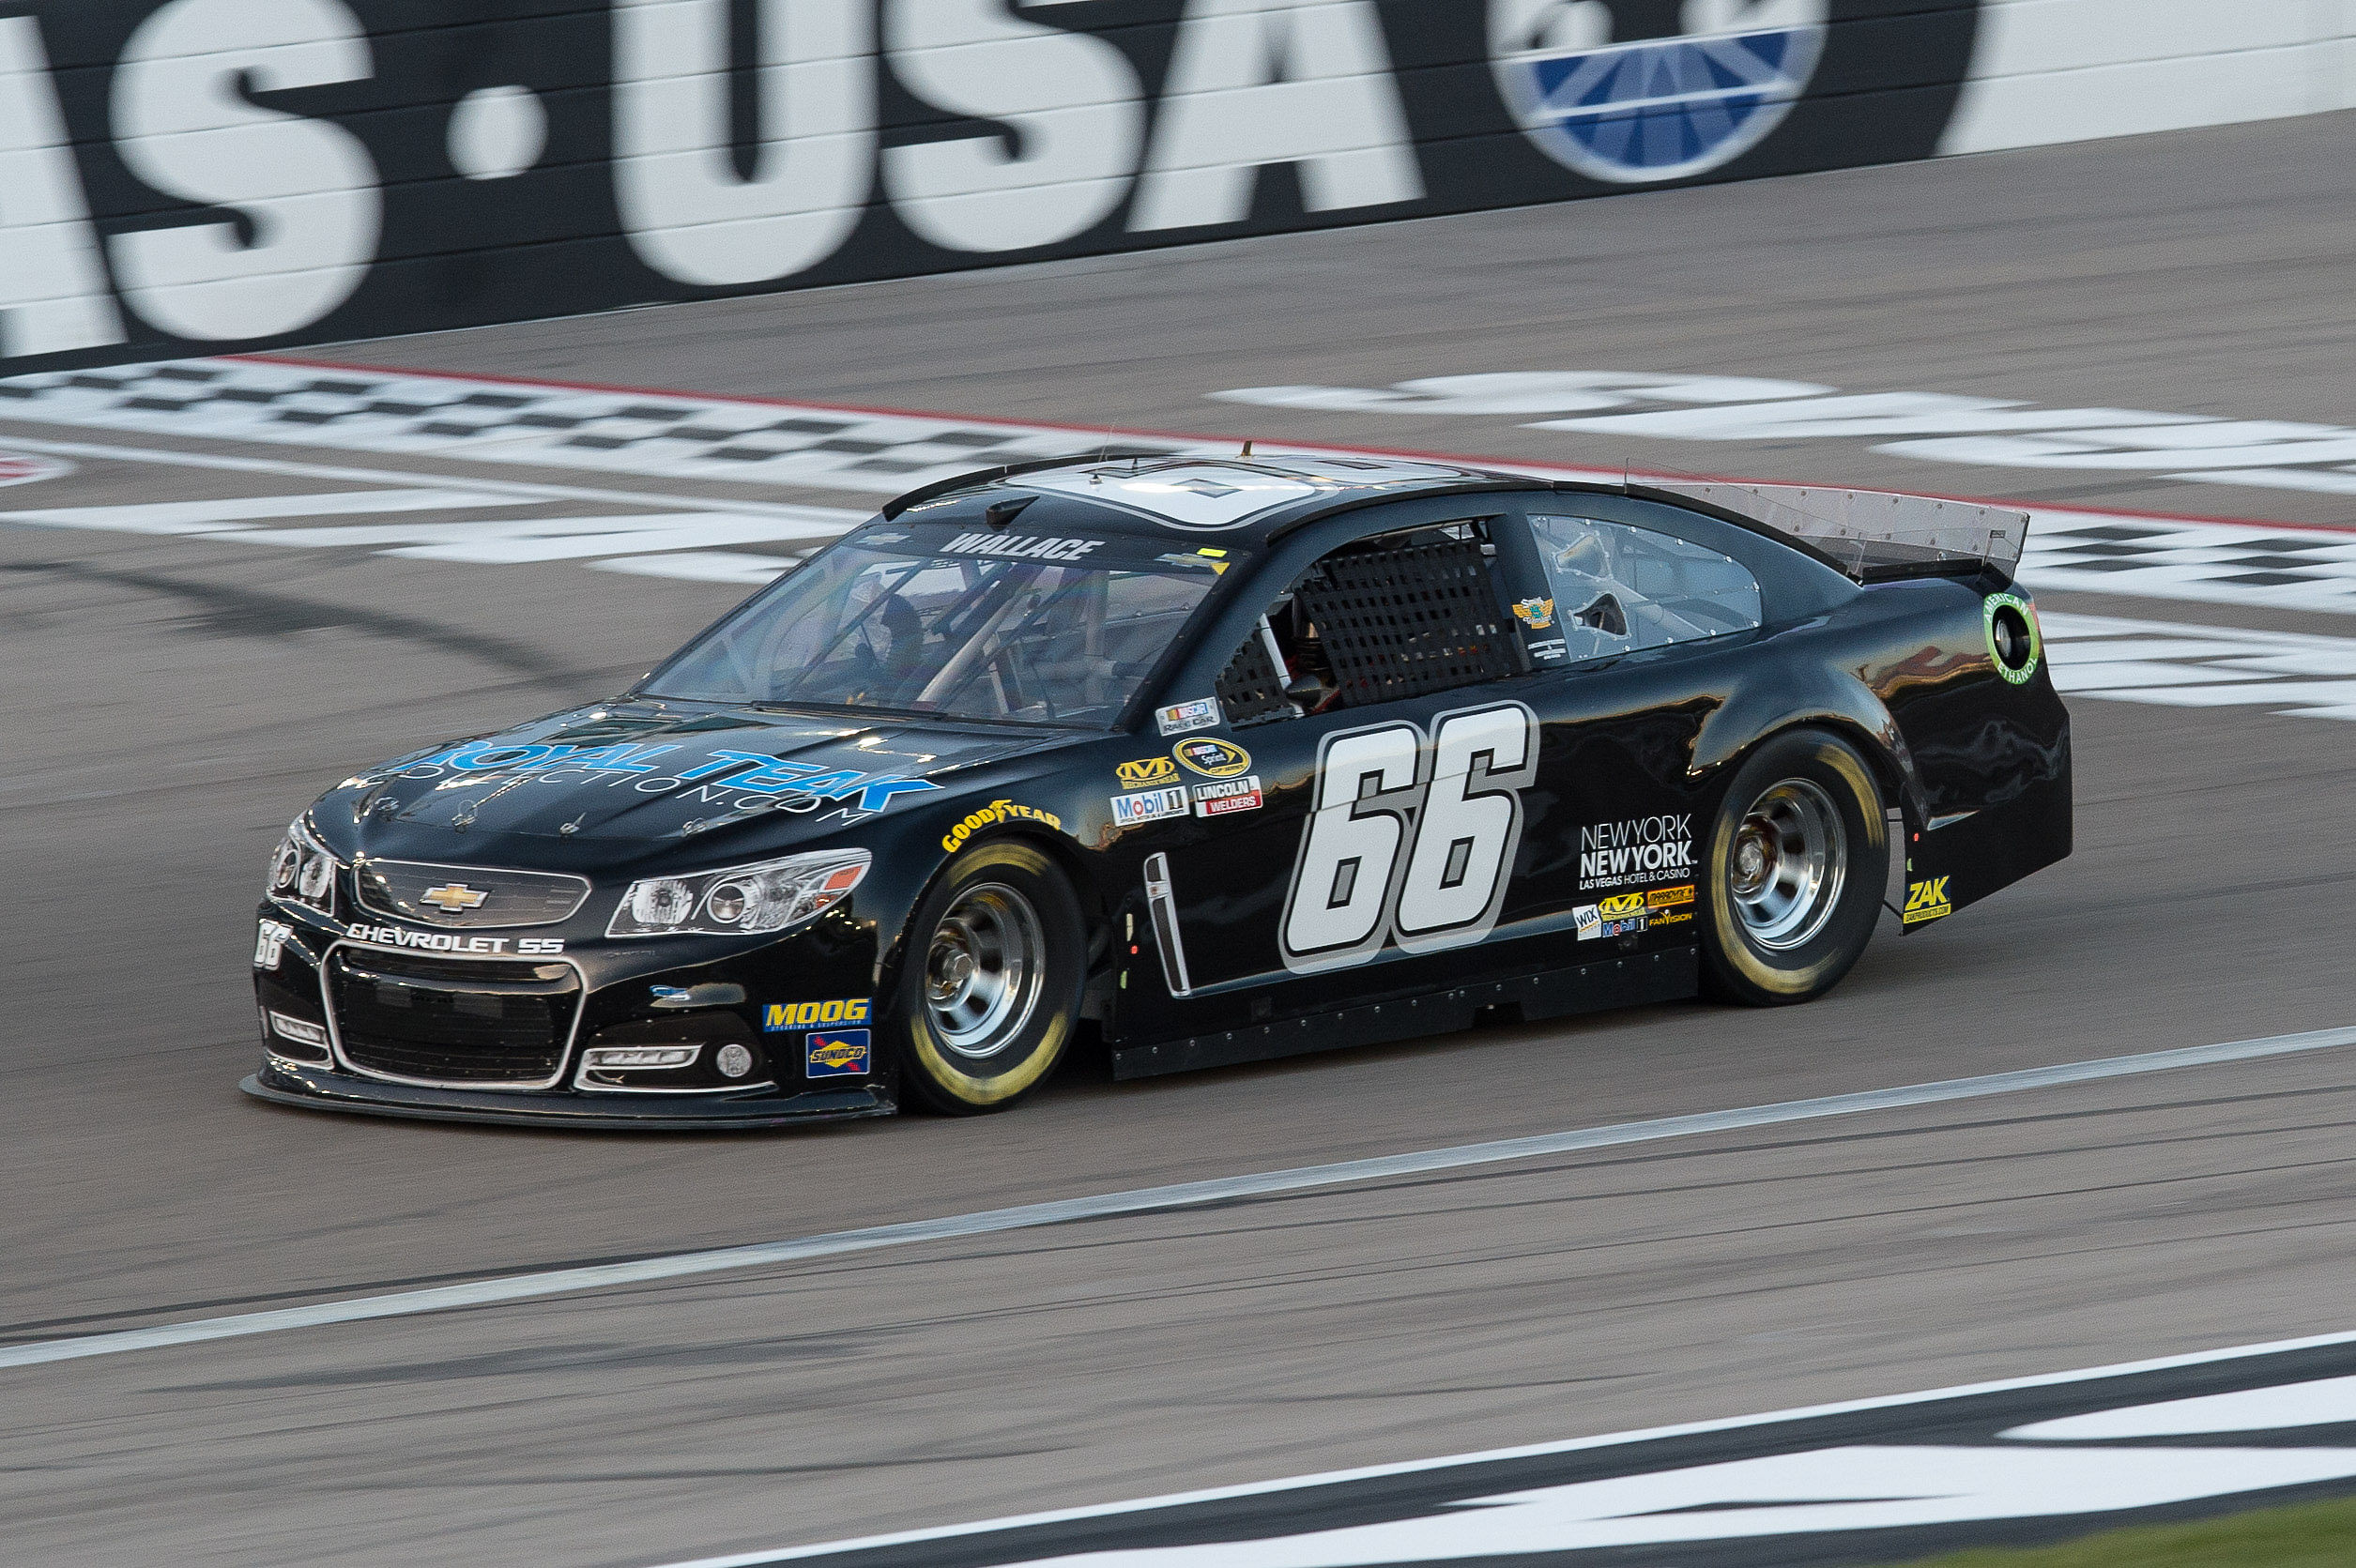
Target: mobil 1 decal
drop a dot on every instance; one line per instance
(194, 175)
(1410, 838)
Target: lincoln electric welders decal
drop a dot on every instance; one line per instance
(186, 175)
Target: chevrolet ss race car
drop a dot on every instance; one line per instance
(1229, 759)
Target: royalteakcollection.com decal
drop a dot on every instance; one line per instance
(187, 175)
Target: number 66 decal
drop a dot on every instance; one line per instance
(1410, 839)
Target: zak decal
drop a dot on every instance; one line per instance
(1149, 805)
(1228, 796)
(841, 1053)
(1148, 770)
(1202, 713)
(1213, 759)
(997, 811)
(1411, 839)
(802, 1016)
(1536, 613)
(444, 941)
(1926, 901)
(1635, 110)
(1636, 853)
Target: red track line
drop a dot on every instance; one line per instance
(1582, 472)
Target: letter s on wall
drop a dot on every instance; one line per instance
(309, 188)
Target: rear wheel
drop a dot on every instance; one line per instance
(1793, 883)
(991, 989)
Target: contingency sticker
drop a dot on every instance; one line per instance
(1621, 914)
(1213, 759)
(1149, 805)
(1187, 717)
(1227, 797)
(1927, 901)
(841, 1053)
(802, 1016)
(1148, 770)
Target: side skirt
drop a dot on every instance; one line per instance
(1668, 976)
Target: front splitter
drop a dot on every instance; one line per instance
(319, 1089)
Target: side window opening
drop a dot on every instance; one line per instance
(1396, 616)
(1619, 588)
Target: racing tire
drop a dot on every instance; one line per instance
(1792, 882)
(989, 990)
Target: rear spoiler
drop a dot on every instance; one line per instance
(1875, 536)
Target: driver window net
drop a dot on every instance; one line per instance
(1402, 621)
(1251, 689)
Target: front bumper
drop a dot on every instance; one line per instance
(325, 1089)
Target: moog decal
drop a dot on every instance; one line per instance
(1410, 838)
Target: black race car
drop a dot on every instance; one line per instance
(1234, 758)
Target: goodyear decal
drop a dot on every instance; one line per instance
(802, 1016)
(997, 811)
(1926, 901)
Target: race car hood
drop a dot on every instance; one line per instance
(652, 771)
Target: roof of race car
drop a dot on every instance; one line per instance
(1247, 496)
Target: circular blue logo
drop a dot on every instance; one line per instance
(1635, 110)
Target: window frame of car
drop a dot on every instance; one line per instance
(1286, 560)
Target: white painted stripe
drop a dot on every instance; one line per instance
(706, 565)
(554, 1281)
(384, 475)
(208, 517)
(1529, 1451)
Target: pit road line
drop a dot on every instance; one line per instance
(557, 1282)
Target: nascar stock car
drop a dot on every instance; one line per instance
(1229, 759)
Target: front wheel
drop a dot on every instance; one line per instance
(990, 987)
(1793, 883)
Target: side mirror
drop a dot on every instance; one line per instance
(1304, 689)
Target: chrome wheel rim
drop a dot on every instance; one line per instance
(1787, 865)
(983, 970)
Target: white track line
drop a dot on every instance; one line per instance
(406, 477)
(557, 1282)
(1530, 1451)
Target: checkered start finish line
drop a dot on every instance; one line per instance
(880, 452)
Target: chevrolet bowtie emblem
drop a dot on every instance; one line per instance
(451, 899)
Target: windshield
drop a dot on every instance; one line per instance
(959, 622)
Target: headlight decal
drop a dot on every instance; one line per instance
(303, 870)
(741, 901)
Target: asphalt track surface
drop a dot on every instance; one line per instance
(170, 701)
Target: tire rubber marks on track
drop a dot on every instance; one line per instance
(557, 1282)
